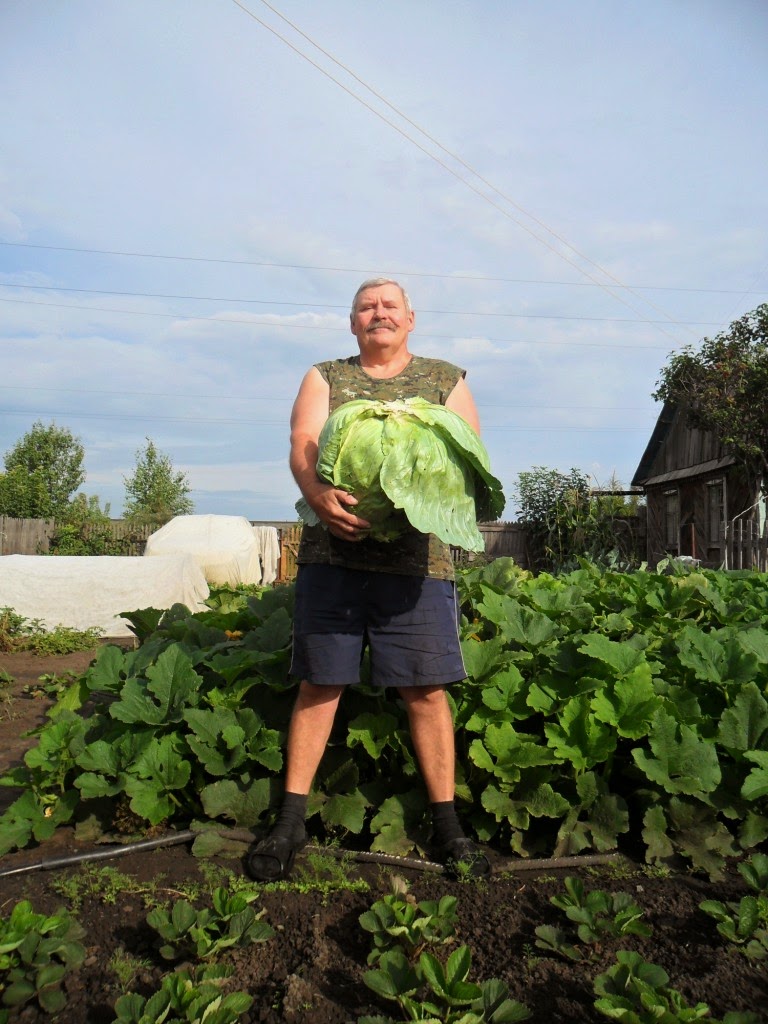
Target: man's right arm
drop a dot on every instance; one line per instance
(310, 411)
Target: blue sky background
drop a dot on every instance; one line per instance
(191, 191)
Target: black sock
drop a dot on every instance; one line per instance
(445, 822)
(290, 820)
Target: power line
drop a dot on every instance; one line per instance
(328, 305)
(76, 415)
(345, 330)
(480, 278)
(451, 170)
(273, 398)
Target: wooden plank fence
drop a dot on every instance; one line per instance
(25, 536)
(746, 547)
(32, 537)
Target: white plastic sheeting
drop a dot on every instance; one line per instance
(227, 548)
(84, 592)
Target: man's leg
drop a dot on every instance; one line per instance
(308, 733)
(429, 716)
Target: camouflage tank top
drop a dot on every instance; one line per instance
(412, 553)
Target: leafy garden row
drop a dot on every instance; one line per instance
(600, 707)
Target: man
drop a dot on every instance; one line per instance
(398, 597)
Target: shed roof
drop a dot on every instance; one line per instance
(660, 431)
(687, 472)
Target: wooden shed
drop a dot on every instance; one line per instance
(700, 503)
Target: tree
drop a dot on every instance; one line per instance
(723, 388)
(43, 470)
(87, 530)
(565, 520)
(155, 492)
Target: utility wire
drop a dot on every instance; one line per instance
(229, 397)
(327, 305)
(480, 278)
(483, 195)
(77, 414)
(319, 327)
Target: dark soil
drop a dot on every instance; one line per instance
(311, 971)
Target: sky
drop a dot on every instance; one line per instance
(192, 190)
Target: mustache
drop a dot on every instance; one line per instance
(377, 324)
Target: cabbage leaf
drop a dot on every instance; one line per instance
(409, 460)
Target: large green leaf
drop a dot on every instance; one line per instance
(681, 761)
(629, 704)
(171, 686)
(744, 726)
(579, 737)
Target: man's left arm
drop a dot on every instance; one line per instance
(461, 402)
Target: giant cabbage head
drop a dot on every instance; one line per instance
(409, 461)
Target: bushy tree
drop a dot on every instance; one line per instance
(42, 472)
(87, 530)
(156, 492)
(723, 388)
(566, 521)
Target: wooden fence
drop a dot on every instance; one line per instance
(746, 547)
(32, 537)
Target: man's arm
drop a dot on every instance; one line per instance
(461, 401)
(332, 505)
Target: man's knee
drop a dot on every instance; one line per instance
(311, 695)
(422, 696)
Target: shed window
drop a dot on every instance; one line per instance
(715, 509)
(671, 520)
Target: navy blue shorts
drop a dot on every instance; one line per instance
(410, 625)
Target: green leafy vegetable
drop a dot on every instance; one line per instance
(409, 460)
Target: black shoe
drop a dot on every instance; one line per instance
(272, 858)
(463, 859)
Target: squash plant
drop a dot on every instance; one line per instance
(598, 705)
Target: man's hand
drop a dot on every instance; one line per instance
(334, 508)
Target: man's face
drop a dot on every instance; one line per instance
(380, 317)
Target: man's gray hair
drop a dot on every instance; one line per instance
(376, 282)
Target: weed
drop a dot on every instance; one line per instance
(323, 874)
(656, 871)
(530, 956)
(104, 884)
(6, 697)
(50, 685)
(127, 967)
(20, 634)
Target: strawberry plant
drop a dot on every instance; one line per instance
(190, 996)
(398, 921)
(596, 914)
(36, 953)
(440, 993)
(204, 934)
(745, 923)
(408, 972)
(636, 992)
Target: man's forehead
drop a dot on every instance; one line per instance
(384, 290)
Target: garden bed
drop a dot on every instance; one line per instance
(312, 969)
